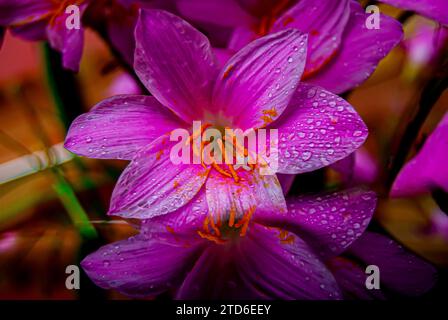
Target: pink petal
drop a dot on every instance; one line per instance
(140, 267)
(318, 129)
(286, 181)
(118, 127)
(241, 36)
(254, 191)
(329, 223)
(69, 42)
(324, 21)
(434, 9)
(257, 83)
(223, 13)
(23, 11)
(152, 185)
(351, 278)
(223, 55)
(428, 169)
(360, 52)
(175, 62)
(400, 270)
(284, 270)
(259, 266)
(187, 219)
(215, 276)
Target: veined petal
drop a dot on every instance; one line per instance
(318, 129)
(140, 267)
(215, 276)
(152, 185)
(257, 83)
(223, 13)
(69, 42)
(360, 51)
(259, 266)
(324, 22)
(329, 223)
(185, 220)
(428, 169)
(175, 62)
(253, 192)
(118, 127)
(284, 270)
(434, 9)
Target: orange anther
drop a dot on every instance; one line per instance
(233, 173)
(212, 224)
(211, 237)
(232, 217)
(220, 170)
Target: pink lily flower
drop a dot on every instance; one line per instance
(427, 170)
(258, 88)
(37, 20)
(319, 250)
(281, 257)
(342, 52)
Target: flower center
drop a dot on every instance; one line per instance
(227, 150)
(222, 232)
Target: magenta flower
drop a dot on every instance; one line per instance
(342, 52)
(46, 20)
(320, 250)
(434, 9)
(258, 87)
(39, 20)
(282, 256)
(427, 170)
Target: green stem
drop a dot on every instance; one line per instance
(73, 206)
(63, 86)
